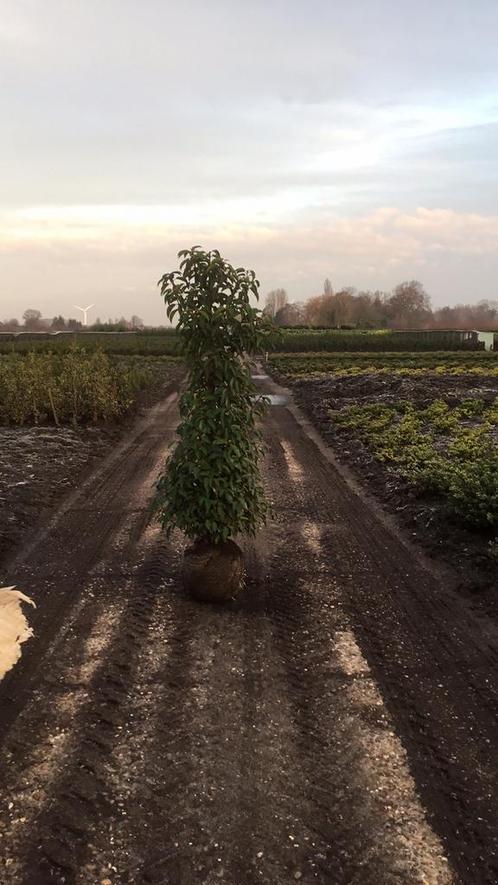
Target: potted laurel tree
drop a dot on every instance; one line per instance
(211, 487)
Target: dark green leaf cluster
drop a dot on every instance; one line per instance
(211, 486)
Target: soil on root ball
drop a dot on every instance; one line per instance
(213, 572)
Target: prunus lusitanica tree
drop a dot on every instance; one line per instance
(211, 487)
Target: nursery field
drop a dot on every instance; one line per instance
(334, 724)
(59, 414)
(288, 340)
(75, 385)
(421, 430)
(296, 365)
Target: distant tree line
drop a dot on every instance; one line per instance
(408, 306)
(33, 321)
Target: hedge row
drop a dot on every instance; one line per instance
(140, 344)
(301, 341)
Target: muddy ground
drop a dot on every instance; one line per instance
(335, 724)
(40, 465)
(424, 518)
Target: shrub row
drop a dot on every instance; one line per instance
(140, 343)
(303, 364)
(301, 341)
(71, 387)
(450, 452)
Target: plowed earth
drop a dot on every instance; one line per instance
(37, 466)
(335, 724)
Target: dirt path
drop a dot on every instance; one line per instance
(147, 739)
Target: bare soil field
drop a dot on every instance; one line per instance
(335, 724)
(38, 466)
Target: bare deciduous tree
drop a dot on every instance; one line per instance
(32, 319)
(275, 301)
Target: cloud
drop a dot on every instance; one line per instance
(110, 254)
(276, 130)
(128, 102)
(383, 232)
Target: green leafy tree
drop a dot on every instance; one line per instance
(211, 486)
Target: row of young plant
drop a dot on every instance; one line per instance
(370, 340)
(72, 387)
(140, 343)
(448, 452)
(463, 362)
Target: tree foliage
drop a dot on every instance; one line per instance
(211, 487)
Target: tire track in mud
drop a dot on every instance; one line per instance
(80, 569)
(364, 818)
(85, 532)
(189, 744)
(80, 802)
(265, 790)
(435, 662)
(86, 703)
(240, 755)
(38, 746)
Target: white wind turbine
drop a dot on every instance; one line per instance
(84, 311)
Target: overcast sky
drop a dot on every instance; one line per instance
(303, 138)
